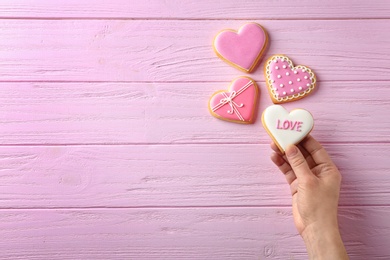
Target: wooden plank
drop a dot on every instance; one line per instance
(194, 233)
(201, 9)
(174, 175)
(161, 113)
(150, 51)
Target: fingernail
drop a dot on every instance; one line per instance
(291, 150)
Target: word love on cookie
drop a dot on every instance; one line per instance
(290, 125)
(243, 49)
(287, 128)
(287, 83)
(237, 105)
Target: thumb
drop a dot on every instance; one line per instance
(298, 163)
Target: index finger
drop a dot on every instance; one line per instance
(315, 149)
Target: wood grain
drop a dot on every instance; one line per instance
(108, 151)
(198, 233)
(112, 113)
(174, 175)
(201, 9)
(181, 51)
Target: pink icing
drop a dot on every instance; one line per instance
(287, 81)
(242, 48)
(237, 104)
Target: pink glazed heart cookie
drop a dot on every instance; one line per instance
(288, 83)
(242, 49)
(287, 128)
(238, 104)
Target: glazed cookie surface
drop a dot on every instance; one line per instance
(238, 104)
(242, 49)
(287, 128)
(287, 83)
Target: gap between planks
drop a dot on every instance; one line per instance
(175, 81)
(201, 9)
(185, 19)
(351, 143)
(183, 207)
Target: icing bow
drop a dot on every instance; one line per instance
(233, 105)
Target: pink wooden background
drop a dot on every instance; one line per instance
(107, 149)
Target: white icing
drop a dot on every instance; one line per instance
(290, 82)
(284, 66)
(281, 85)
(287, 74)
(279, 76)
(308, 84)
(292, 90)
(295, 72)
(300, 88)
(305, 77)
(284, 93)
(273, 113)
(298, 79)
(276, 67)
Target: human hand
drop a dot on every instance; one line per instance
(315, 186)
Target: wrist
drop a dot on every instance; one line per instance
(324, 242)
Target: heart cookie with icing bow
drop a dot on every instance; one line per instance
(287, 128)
(242, 49)
(238, 104)
(287, 82)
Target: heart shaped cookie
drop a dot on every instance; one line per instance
(238, 104)
(242, 49)
(287, 128)
(288, 83)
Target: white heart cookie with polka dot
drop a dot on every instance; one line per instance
(287, 83)
(287, 128)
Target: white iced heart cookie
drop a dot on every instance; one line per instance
(287, 128)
